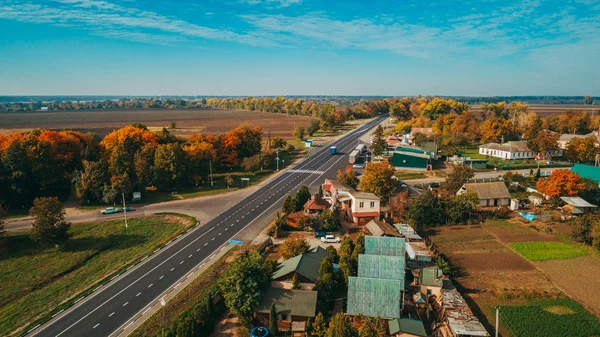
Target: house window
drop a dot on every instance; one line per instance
(372, 204)
(361, 205)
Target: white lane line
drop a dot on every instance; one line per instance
(161, 277)
(226, 229)
(138, 294)
(151, 284)
(177, 285)
(125, 303)
(143, 313)
(213, 239)
(243, 216)
(220, 233)
(95, 326)
(127, 325)
(190, 256)
(181, 262)
(231, 225)
(61, 310)
(111, 314)
(198, 249)
(172, 269)
(206, 244)
(238, 220)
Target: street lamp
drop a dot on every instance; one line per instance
(277, 159)
(124, 208)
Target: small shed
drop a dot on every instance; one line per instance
(379, 228)
(489, 194)
(406, 327)
(577, 205)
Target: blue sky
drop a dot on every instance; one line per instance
(272, 47)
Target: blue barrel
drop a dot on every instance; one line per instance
(259, 331)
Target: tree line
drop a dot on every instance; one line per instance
(44, 163)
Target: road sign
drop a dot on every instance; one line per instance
(236, 242)
(163, 302)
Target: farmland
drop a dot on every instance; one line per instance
(555, 317)
(101, 122)
(542, 251)
(40, 278)
(490, 273)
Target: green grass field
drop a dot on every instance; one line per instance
(542, 251)
(409, 175)
(550, 318)
(36, 279)
(473, 153)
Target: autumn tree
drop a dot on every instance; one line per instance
(494, 110)
(169, 166)
(379, 143)
(458, 176)
(341, 326)
(439, 106)
(378, 179)
(560, 183)
(398, 206)
(300, 132)
(493, 129)
(91, 181)
(348, 177)
(319, 326)
(278, 143)
(293, 247)
(49, 225)
(544, 142)
(583, 149)
(313, 127)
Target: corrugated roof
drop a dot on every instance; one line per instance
(364, 195)
(577, 202)
(288, 301)
(587, 171)
(491, 190)
(306, 264)
(382, 267)
(378, 228)
(517, 146)
(412, 154)
(381, 245)
(374, 297)
(316, 203)
(407, 325)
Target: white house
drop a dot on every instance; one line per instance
(365, 206)
(514, 150)
(563, 141)
(360, 207)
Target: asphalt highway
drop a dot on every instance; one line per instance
(113, 307)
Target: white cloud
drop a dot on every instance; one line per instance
(278, 3)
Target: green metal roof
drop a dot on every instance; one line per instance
(409, 149)
(431, 277)
(306, 264)
(381, 266)
(390, 246)
(587, 171)
(288, 301)
(374, 297)
(407, 325)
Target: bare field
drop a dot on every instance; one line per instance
(205, 121)
(544, 110)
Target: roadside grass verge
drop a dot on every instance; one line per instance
(38, 280)
(409, 175)
(473, 153)
(542, 251)
(549, 318)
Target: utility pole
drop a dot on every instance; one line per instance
(277, 159)
(124, 209)
(497, 320)
(211, 176)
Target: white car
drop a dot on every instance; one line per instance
(330, 239)
(358, 166)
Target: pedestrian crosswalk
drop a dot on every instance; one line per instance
(307, 171)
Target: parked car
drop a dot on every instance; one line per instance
(109, 210)
(358, 166)
(126, 208)
(320, 234)
(330, 239)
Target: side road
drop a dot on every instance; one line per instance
(478, 175)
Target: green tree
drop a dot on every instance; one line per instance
(591, 191)
(379, 143)
(333, 255)
(273, 320)
(581, 227)
(588, 100)
(313, 127)
(295, 282)
(458, 176)
(359, 248)
(89, 184)
(241, 284)
(289, 204)
(294, 247)
(583, 149)
(302, 196)
(372, 327)
(378, 179)
(169, 166)
(326, 286)
(340, 326)
(424, 211)
(49, 225)
(309, 327)
(330, 220)
(320, 193)
(319, 326)
(300, 132)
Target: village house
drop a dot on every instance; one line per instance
(515, 150)
(563, 141)
(304, 266)
(406, 327)
(381, 228)
(577, 205)
(316, 205)
(358, 207)
(489, 194)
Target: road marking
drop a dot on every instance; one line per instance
(127, 325)
(161, 277)
(243, 216)
(177, 285)
(61, 310)
(231, 225)
(181, 262)
(213, 239)
(226, 229)
(143, 313)
(220, 233)
(138, 294)
(125, 303)
(206, 244)
(151, 284)
(95, 326)
(190, 256)
(111, 314)
(238, 220)
(172, 269)
(198, 249)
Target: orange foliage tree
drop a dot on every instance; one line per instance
(561, 183)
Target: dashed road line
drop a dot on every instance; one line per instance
(111, 314)
(125, 303)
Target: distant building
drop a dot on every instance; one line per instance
(489, 194)
(515, 150)
(410, 160)
(44, 108)
(468, 161)
(577, 205)
(563, 141)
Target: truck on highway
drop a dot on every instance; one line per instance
(361, 148)
(333, 150)
(353, 156)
